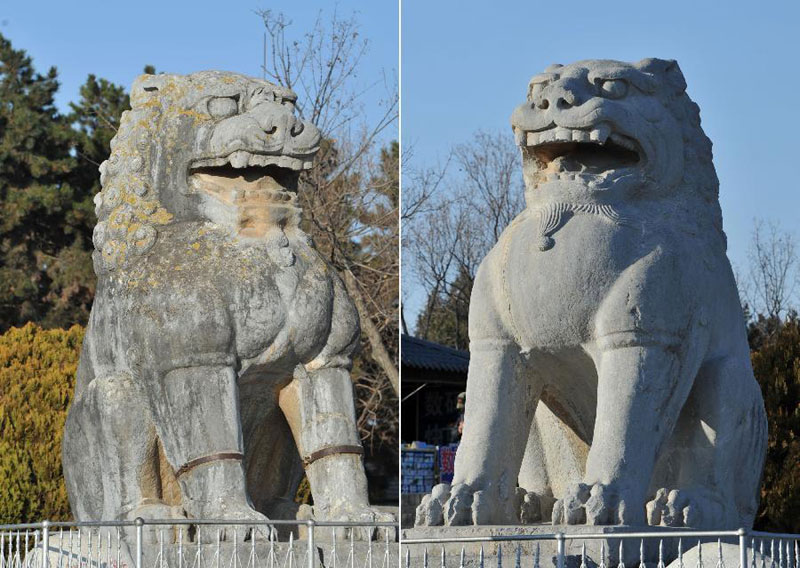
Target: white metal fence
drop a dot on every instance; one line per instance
(652, 549)
(199, 544)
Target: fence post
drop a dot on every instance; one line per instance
(561, 554)
(45, 543)
(311, 548)
(742, 548)
(139, 522)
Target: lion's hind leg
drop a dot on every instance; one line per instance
(709, 476)
(111, 461)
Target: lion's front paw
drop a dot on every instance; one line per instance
(466, 506)
(354, 514)
(247, 521)
(463, 505)
(684, 508)
(596, 504)
(430, 512)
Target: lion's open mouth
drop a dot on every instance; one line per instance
(247, 180)
(249, 192)
(596, 155)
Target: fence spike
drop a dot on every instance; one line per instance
(352, 548)
(641, 554)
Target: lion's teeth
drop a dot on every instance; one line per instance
(563, 135)
(239, 159)
(533, 138)
(600, 134)
(547, 136)
(580, 136)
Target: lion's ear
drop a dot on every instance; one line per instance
(667, 70)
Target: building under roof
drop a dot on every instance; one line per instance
(422, 355)
(432, 377)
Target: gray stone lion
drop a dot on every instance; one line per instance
(215, 367)
(610, 378)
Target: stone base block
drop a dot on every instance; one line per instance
(226, 555)
(633, 551)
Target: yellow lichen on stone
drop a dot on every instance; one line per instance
(197, 116)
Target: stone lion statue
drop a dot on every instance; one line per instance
(215, 366)
(610, 378)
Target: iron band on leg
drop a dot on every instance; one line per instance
(329, 451)
(188, 466)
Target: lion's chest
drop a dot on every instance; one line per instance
(208, 299)
(277, 310)
(554, 295)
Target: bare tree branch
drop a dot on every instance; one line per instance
(773, 268)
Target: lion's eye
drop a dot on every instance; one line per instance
(613, 88)
(223, 107)
(534, 89)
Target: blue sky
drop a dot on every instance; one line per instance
(115, 39)
(466, 65)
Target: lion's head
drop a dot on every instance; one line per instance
(607, 132)
(210, 145)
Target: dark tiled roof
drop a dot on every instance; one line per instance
(427, 355)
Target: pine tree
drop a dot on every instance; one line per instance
(35, 194)
(95, 118)
(48, 179)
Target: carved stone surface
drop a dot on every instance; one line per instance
(610, 373)
(219, 344)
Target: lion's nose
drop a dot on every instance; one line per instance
(302, 134)
(557, 96)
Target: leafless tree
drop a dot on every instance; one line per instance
(492, 179)
(455, 217)
(773, 270)
(351, 199)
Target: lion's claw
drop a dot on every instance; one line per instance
(354, 514)
(596, 504)
(684, 508)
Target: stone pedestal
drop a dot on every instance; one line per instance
(633, 550)
(225, 555)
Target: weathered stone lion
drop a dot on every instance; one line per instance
(610, 301)
(215, 365)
